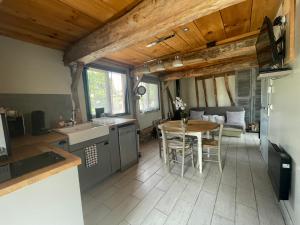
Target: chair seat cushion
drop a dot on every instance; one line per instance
(177, 144)
(209, 142)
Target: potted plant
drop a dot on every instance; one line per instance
(181, 106)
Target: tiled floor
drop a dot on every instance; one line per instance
(147, 194)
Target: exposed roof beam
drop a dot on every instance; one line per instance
(234, 64)
(244, 47)
(147, 19)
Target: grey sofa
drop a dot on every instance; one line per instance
(229, 130)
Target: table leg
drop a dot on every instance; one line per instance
(199, 137)
(164, 151)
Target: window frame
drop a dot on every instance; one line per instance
(87, 94)
(152, 80)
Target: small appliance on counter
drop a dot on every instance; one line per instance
(5, 149)
(16, 124)
(38, 126)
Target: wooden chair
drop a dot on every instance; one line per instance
(156, 123)
(212, 148)
(176, 143)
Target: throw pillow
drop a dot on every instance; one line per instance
(196, 115)
(237, 118)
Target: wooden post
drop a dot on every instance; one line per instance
(76, 73)
(162, 109)
(228, 89)
(205, 94)
(215, 91)
(197, 91)
(170, 102)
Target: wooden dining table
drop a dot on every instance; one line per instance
(194, 128)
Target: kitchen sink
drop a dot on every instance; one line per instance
(84, 132)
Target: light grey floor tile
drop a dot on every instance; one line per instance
(155, 217)
(168, 201)
(180, 213)
(166, 182)
(144, 189)
(118, 214)
(203, 210)
(219, 220)
(96, 215)
(246, 215)
(246, 197)
(225, 204)
(142, 210)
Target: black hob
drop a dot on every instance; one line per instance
(16, 169)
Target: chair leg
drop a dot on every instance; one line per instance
(192, 155)
(220, 160)
(182, 165)
(159, 147)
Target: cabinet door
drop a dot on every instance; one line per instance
(128, 145)
(114, 149)
(104, 163)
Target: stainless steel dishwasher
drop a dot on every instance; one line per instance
(128, 145)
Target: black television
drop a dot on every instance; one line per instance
(266, 48)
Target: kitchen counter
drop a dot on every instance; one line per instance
(113, 121)
(40, 174)
(33, 140)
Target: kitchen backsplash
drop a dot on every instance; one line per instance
(54, 106)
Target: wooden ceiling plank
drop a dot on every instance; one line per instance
(193, 36)
(31, 39)
(93, 8)
(237, 18)
(147, 19)
(66, 21)
(18, 23)
(211, 27)
(262, 8)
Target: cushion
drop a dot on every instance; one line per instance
(214, 118)
(236, 118)
(219, 119)
(196, 115)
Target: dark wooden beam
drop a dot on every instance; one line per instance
(215, 91)
(228, 89)
(146, 20)
(197, 92)
(223, 67)
(205, 93)
(244, 47)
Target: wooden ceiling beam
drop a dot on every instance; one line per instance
(229, 66)
(147, 19)
(245, 47)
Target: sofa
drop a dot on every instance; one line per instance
(231, 130)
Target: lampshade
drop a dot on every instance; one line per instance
(177, 62)
(160, 66)
(146, 69)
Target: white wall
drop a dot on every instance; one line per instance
(188, 91)
(31, 69)
(285, 122)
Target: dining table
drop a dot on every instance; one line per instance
(194, 128)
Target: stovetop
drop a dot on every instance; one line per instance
(16, 169)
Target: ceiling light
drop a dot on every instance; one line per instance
(151, 44)
(160, 66)
(177, 62)
(146, 69)
(185, 29)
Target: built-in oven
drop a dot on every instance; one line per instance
(5, 148)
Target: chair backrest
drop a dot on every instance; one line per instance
(220, 130)
(170, 132)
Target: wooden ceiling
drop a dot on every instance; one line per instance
(59, 23)
(240, 19)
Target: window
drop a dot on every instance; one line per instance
(150, 100)
(105, 89)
